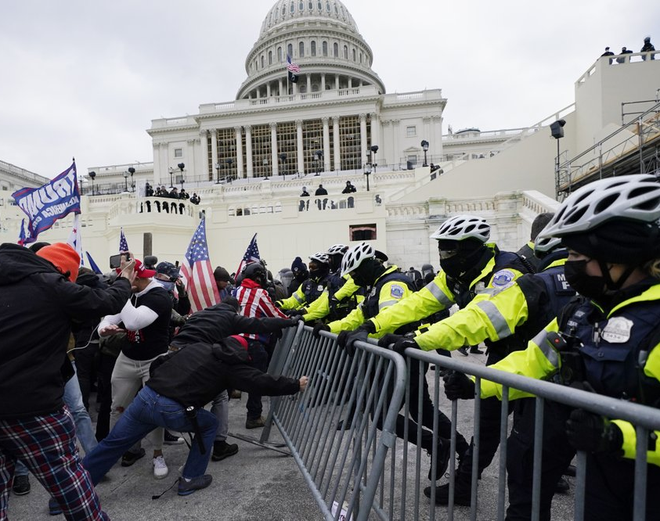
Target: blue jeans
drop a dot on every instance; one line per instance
(146, 412)
(84, 431)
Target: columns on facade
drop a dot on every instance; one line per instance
(364, 144)
(214, 150)
(191, 165)
(436, 126)
(396, 148)
(268, 90)
(273, 147)
(337, 81)
(350, 82)
(335, 136)
(281, 92)
(326, 144)
(248, 150)
(323, 82)
(300, 151)
(239, 152)
(375, 134)
(205, 148)
(309, 83)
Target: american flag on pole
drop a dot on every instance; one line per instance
(197, 271)
(293, 70)
(123, 244)
(251, 255)
(75, 239)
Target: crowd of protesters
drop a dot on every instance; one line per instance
(160, 367)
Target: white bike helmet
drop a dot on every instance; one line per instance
(321, 257)
(337, 249)
(356, 256)
(628, 198)
(463, 227)
(543, 245)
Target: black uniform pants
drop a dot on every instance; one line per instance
(259, 360)
(556, 456)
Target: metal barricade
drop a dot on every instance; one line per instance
(341, 428)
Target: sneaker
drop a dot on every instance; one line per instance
(442, 456)
(475, 350)
(463, 350)
(235, 395)
(131, 457)
(188, 487)
(171, 439)
(222, 450)
(160, 467)
(54, 508)
(562, 486)
(21, 485)
(255, 423)
(462, 495)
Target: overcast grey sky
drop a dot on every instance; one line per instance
(84, 78)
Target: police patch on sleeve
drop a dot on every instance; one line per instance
(396, 291)
(503, 279)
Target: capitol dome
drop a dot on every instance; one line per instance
(321, 37)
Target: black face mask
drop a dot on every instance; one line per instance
(586, 285)
(462, 262)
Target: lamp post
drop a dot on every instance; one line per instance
(131, 171)
(318, 155)
(171, 180)
(181, 167)
(92, 175)
(283, 159)
(374, 149)
(425, 148)
(217, 169)
(557, 131)
(229, 162)
(367, 172)
(125, 181)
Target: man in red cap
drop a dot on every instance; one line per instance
(38, 301)
(145, 319)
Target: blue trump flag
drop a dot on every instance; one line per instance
(48, 203)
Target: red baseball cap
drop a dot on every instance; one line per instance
(140, 271)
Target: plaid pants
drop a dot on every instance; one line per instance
(47, 446)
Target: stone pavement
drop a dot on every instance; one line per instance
(256, 484)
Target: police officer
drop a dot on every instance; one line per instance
(340, 296)
(611, 230)
(310, 289)
(472, 270)
(522, 309)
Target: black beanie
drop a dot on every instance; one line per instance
(620, 242)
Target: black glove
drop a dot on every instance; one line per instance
(389, 338)
(346, 339)
(592, 432)
(320, 326)
(458, 386)
(404, 343)
(294, 312)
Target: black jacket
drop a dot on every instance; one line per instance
(37, 305)
(197, 374)
(212, 324)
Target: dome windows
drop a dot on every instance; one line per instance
(301, 6)
(301, 49)
(325, 48)
(313, 48)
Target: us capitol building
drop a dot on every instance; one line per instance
(248, 159)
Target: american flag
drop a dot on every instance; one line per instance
(123, 245)
(197, 271)
(75, 240)
(291, 67)
(251, 255)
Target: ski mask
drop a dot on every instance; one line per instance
(594, 287)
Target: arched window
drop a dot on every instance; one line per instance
(279, 54)
(320, 6)
(325, 48)
(327, 6)
(293, 7)
(335, 50)
(301, 49)
(310, 5)
(354, 55)
(313, 48)
(263, 61)
(270, 57)
(289, 50)
(346, 52)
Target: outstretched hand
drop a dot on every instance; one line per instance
(458, 386)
